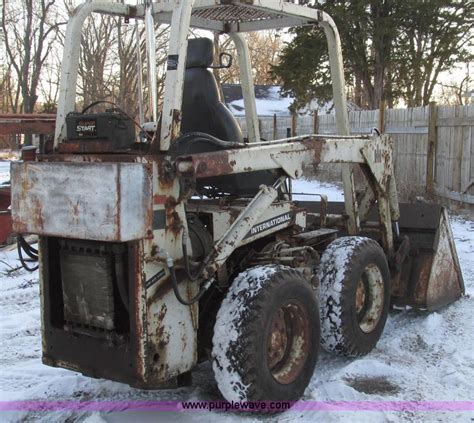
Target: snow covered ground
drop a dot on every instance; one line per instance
(4, 171)
(420, 357)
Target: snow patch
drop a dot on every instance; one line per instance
(4, 172)
(94, 418)
(335, 389)
(368, 367)
(433, 322)
(272, 104)
(313, 187)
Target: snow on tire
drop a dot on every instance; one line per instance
(266, 336)
(355, 295)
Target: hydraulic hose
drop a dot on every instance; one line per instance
(174, 284)
(121, 282)
(31, 252)
(192, 277)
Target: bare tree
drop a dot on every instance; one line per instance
(263, 47)
(108, 68)
(49, 82)
(29, 30)
(96, 70)
(9, 91)
(457, 93)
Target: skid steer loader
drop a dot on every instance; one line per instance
(185, 245)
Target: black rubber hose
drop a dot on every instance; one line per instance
(192, 277)
(174, 283)
(29, 250)
(21, 241)
(28, 247)
(119, 276)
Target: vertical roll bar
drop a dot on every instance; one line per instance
(171, 116)
(71, 54)
(151, 61)
(246, 80)
(342, 118)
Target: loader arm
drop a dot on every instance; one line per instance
(294, 155)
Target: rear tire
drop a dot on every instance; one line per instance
(355, 295)
(266, 336)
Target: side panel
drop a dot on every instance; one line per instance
(171, 327)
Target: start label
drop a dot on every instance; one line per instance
(86, 128)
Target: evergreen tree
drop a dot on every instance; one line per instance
(392, 49)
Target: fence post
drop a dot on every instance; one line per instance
(293, 124)
(260, 129)
(315, 122)
(432, 138)
(275, 126)
(382, 109)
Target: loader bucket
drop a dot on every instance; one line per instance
(431, 276)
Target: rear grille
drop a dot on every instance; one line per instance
(89, 285)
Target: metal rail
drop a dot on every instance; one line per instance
(11, 124)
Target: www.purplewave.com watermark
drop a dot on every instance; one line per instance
(205, 406)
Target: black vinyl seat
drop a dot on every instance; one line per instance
(208, 125)
(203, 110)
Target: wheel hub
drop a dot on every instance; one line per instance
(369, 298)
(288, 342)
(278, 339)
(360, 296)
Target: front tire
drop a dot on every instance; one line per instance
(355, 295)
(266, 336)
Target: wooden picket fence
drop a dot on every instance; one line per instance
(434, 145)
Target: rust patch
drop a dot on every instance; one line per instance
(166, 174)
(174, 224)
(86, 147)
(93, 158)
(288, 342)
(315, 144)
(212, 164)
(159, 199)
(37, 213)
(419, 295)
(162, 290)
(176, 124)
(202, 167)
(161, 315)
(138, 329)
(11, 124)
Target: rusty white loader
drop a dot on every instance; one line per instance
(184, 245)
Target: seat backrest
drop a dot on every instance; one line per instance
(202, 109)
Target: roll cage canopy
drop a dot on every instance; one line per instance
(222, 16)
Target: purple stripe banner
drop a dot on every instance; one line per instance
(206, 406)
